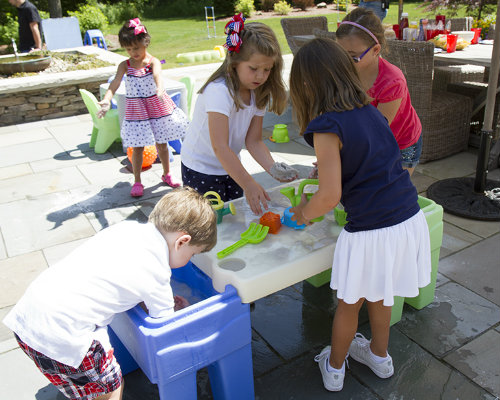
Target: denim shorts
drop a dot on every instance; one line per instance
(411, 155)
(375, 6)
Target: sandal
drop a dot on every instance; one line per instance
(137, 190)
(170, 181)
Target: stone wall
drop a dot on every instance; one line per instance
(47, 103)
(55, 95)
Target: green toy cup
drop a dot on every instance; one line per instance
(340, 216)
(280, 134)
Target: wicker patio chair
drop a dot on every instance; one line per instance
(320, 33)
(301, 26)
(445, 117)
(444, 75)
(461, 24)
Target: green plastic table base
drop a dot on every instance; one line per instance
(434, 217)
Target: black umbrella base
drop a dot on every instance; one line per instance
(457, 196)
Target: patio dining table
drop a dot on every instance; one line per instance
(477, 54)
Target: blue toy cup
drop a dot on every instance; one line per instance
(287, 220)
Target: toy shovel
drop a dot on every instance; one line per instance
(255, 233)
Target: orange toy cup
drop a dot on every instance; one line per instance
(451, 43)
(477, 34)
(272, 220)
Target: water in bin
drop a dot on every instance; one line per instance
(192, 295)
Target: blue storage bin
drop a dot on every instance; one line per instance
(214, 333)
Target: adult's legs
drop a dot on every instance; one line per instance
(345, 324)
(380, 320)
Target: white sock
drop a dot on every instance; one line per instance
(376, 358)
(329, 368)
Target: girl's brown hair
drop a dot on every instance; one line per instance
(127, 36)
(256, 38)
(370, 21)
(323, 79)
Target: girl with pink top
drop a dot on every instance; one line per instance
(361, 34)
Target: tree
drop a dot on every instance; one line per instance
(55, 9)
(473, 7)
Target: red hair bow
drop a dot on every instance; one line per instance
(232, 30)
(136, 24)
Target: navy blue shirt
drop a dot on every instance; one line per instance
(26, 14)
(376, 191)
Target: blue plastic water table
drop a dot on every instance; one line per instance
(214, 333)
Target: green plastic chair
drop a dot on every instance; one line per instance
(189, 82)
(106, 130)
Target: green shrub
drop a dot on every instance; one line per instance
(484, 24)
(8, 29)
(177, 8)
(90, 17)
(303, 4)
(245, 6)
(118, 13)
(224, 8)
(267, 5)
(282, 7)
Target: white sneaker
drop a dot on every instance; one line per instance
(333, 381)
(360, 351)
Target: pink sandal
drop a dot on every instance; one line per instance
(170, 181)
(137, 190)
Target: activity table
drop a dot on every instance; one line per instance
(279, 261)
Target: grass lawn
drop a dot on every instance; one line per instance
(172, 36)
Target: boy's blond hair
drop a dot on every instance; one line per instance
(256, 37)
(185, 210)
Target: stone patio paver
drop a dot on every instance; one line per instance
(456, 316)
(479, 361)
(28, 152)
(455, 239)
(17, 273)
(477, 268)
(33, 224)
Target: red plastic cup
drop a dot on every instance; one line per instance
(477, 34)
(451, 43)
(396, 30)
(441, 18)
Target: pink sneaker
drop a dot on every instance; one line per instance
(170, 180)
(137, 190)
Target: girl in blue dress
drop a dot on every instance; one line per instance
(384, 249)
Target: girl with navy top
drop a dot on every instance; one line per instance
(150, 114)
(384, 249)
(229, 114)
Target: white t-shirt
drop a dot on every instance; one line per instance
(197, 152)
(70, 303)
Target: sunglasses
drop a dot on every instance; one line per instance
(358, 59)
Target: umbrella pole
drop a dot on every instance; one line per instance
(486, 131)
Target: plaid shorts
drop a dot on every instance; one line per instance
(98, 374)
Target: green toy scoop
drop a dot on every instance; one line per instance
(255, 233)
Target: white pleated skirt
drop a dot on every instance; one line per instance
(382, 263)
